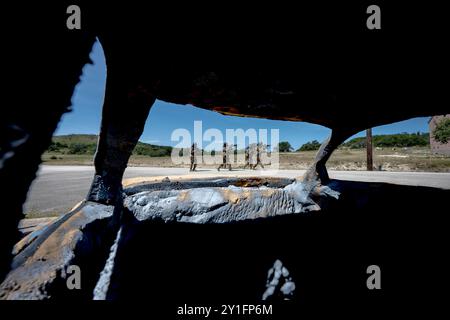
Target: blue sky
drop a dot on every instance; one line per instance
(166, 117)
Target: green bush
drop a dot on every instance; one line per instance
(442, 131)
(77, 148)
(310, 146)
(56, 146)
(284, 146)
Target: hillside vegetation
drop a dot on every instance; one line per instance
(86, 144)
(399, 140)
(392, 141)
(310, 146)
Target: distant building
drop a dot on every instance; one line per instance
(436, 146)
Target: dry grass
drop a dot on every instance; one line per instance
(389, 159)
(41, 214)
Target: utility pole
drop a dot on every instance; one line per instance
(369, 148)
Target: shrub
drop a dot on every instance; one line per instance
(56, 146)
(310, 146)
(284, 146)
(442, 131)
(77, 148)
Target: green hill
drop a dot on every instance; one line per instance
(392, 140)
(87, 144)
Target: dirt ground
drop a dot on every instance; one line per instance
(388, 159)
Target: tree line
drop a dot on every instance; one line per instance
(87, 144)
(399, 140)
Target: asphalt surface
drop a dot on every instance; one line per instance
(58, 188)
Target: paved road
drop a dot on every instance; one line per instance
(59, 188)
